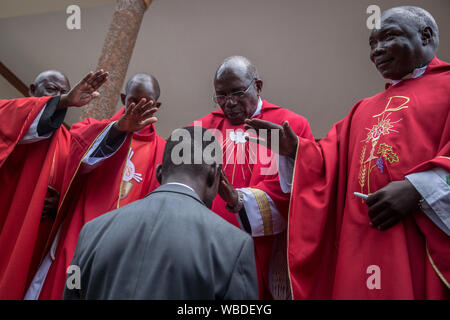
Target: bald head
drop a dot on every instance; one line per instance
(49, 83)
(237, 87)
(144, 80)
(238, 65)
(407, 39)
(416, 17)
(141, 86)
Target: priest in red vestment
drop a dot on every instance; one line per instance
(112, 163)
(252, 170)
(393, 147)
(33, 150)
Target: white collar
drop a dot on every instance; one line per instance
(182, 184)
(258, 108)
(417, 73)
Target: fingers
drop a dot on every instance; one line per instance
(288, 130)
(149, 112)
(373, 198)
(388, 223)
(147, 105)
(91, 76)
(224, 178)
(380, 217)
(95, 95)
(98, 79)
(88, 77)
(258, 140)
(376, 208)
(148, 121)
(130, 109)
(258, 124)
(142, 107)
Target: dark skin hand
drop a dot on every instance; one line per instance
(393, 203)
(388, 206)
(137, 116)
(50, 204)
(84, 91)
(288, 139)
(226, 191)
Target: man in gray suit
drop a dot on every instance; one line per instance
(168, 245)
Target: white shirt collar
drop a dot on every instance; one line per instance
(417, 73)
(258, 108)
(182, 184)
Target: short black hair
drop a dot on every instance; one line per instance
(421, 18)
(191, 149)
(234, 63)
(143, 77)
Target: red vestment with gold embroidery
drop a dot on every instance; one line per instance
(332, 250)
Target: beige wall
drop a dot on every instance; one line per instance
(311, 54)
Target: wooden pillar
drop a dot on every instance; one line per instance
(116, 55)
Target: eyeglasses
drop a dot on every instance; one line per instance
(234, 97)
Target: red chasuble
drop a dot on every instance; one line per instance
(126, 176)
(333, 253)
(245, 168)
(25, 172)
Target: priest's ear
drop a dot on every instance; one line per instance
(123, 97)
(427, 35)
(259, 85)
(32, 90)
(159, 173)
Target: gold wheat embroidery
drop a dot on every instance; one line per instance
(363, 169)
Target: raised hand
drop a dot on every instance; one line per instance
(137, 116)
(227, 192)
(288, 140)
(393, 203)
(84, 91)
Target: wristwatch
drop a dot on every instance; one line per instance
(239, 205)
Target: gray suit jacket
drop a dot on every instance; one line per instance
(168, 245)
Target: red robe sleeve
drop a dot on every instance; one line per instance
(25, 172)
(20, 114)
(271, 184)
(315, 206)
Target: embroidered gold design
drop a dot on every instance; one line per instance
(362, 170)
(384, 127)
(386, 152)
(402, 106)
(264, 209)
